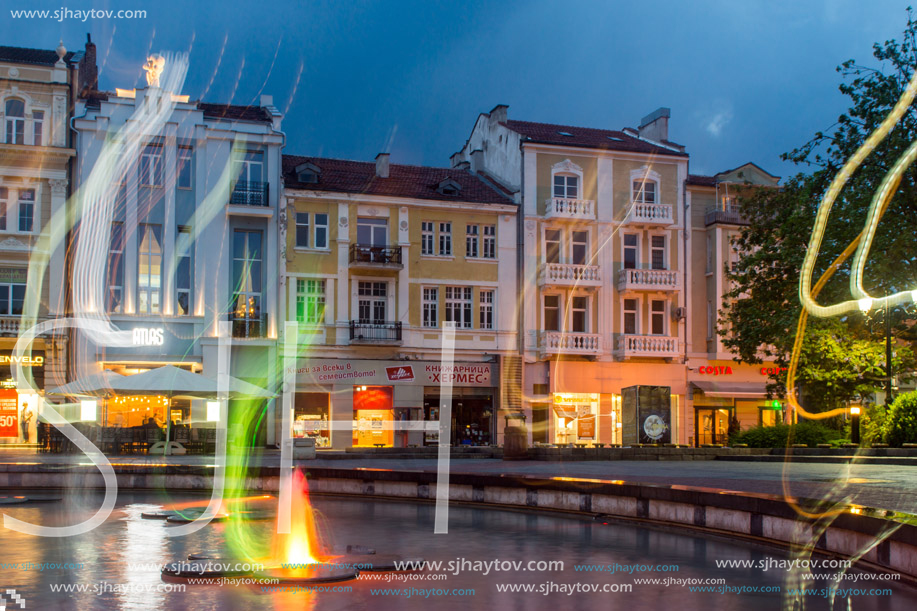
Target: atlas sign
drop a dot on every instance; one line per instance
(147, 337)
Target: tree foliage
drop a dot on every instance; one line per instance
(841, 357)
(901, 420)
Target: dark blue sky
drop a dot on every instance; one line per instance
(746, 80)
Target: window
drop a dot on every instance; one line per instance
(310, 301)
(11, 298)
(15, 122)
(183, 272)
(248, 168)
(371, 304)
(372, 232)
(709, 267)
(657, 252)
(657, 317)
(151, 166)
(246, 278)
(4, 200)
(38, 121)
(630, 317)
(426, 238)
(471, 241)
(490, 242)
(149, 272)
(552, 245)
(644, 192)
(26, 210)
(630, 251)
(566, 186)
(458, 306)
(445, 239)
(578, 312)
(116, 268)
(430, 305)
(185, 169)
(321, 230)
(552, 312)
(302, 229)
(487, 309)
(580, 243)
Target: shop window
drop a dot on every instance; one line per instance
(373, 416)
(311, 417)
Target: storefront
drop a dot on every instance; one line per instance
(19, 404)
(726, 396)
(575, 417)
(376, 403)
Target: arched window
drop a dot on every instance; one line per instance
(644, 186)
(566, 180)
(15, 121)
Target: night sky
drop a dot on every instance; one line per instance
(746, 80)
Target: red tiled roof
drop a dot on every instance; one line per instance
(701, 181)
(22, 55)
(232, 112)
(412, 181)
(586, 137)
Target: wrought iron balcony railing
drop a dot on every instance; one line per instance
(376, 332)
(250, 194)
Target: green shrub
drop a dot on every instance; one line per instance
(781, 435)
(901, 420)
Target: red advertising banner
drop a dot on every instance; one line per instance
(585, 427)
(9, 413)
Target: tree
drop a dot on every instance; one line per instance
(841, 357)
(900, 424)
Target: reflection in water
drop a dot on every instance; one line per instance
(116, 554)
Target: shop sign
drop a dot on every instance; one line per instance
(25, 361)
(572, 398)
(475, 375)
(773, 371)
(9, 413)
(715, 370)
(147, 337)
(585, 426)
(17, 275)
(403, 372)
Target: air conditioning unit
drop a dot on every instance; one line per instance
(680, 313)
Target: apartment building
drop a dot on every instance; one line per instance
(378, 259)
(35, 155)
(603, 304)
(719, 388)
(176, 231)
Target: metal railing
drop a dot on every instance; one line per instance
(364, 331)
(248, 327)
(250, 194)
(383, 255)
(728, 214)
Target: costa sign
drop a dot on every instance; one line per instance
(715, 370)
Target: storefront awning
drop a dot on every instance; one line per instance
(736, 390)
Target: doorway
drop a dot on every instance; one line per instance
(711, 425)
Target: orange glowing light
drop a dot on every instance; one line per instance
(300, 545)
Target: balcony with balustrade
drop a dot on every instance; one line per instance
(646, 346)
(375, 332)
(568, 343)
(650, 215)
(563, 208)
(726, 214)
(570, 275)
(648, 280)
(367, 256)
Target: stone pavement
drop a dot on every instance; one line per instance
(880, 486)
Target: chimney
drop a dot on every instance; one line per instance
(382, 165)
(477, 161)
(267, 100)
(499, 113)
(655, 126)
(88, 70)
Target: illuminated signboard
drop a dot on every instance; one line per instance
(147, 337)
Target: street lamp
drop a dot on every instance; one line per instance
(865, 305)
(855, 424)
